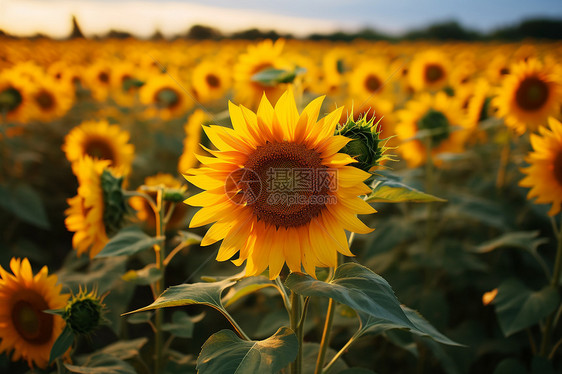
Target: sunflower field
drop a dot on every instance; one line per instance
(280, 206)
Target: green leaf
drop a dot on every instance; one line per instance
(385, 190)
(182, 324)
(357, 287)
(103, 365)
(144, 277)
(518, 307)
(188, 294)
(510, 366)
(245, 287)
(124, 349)
(189, 238)
(357, 371)
(272, 76)
(61, 345)
(310, 354)
(26, 204)
(128, 242)
(225, 353)
(526, 240)
(139, 318)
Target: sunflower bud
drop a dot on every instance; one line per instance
(114, 202)
(174, 195)
(366, 145)
(83, 313)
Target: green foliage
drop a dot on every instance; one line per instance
(127, 242)
(61, 345)
(386, 190)
(25, 203)
(225, 353)
(272, 77)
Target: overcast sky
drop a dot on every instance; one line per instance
(300, 17)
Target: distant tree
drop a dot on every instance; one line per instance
(450, 30)
(118, 34)
(540, 28)
(76, 31)
(256, 34)
(201, 32)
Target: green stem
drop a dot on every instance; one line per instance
(234, 324)
(554, 282)
(159, 288)
(283, 292)
(351, 340)
(296, 366)
(429, 183)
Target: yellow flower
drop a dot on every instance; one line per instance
(211, 80)
(165, 96)
(94, 213)
(278, 190)
(98, 80)
(528, 95)
(544, 175)
(438, 115)
(192, 139)
(370, 80)
(51, 99)
(100, 140)
(24, 327)
(429, 70)
(16, 97)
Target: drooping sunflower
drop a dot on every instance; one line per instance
(100, 140)
(25, 329)
(278, 190)
(259, 57)
(429, 70)
(544, 175)
(97, 211)
(165, 97)
(529, 95)
(192, 129)
(143, 208)
(440, 117)
(210, 80)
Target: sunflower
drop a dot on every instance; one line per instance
(97, 210)
(125, 84)
(98, 80)
(259, 57)
(16, 97)
(52, 99)
(440, 116)
(24, 327)
(544, 175)
(165, 97)
(145, 212)
(100, 140)
(429, 70)
(192, 139)
(528, 95)
(278, 190)
(478, 107)
(369, 80)
(210, 81)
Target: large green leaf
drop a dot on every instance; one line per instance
(245, 287)
(128, 242)
(357, 287)
(188, 294)
(61, 345)
(272, 76)
(518, 307)
(225, 353)
(526, 240)
(385, 190)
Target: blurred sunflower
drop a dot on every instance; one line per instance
(97, 211)
(544, 175)
(52, 100)
(440, 118)
(497, 69)
(259, 57)
(479, 108)
(16, 98)
(25, 328)
(164, 98)
(210, 80)
(278, 190)
(125, 83)
(98, 80)
(429, 70)
(528, 95)
(370, 80)
(192, 129)
(145, 212)
(99, 139)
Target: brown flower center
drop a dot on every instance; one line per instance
(212, 80)
(99, 148)
(532, 94)
(557, 167)
(103, 77)
(372, 83)
(285, 184)
(433, 73)
(33, 325)
(167, 98)
(45, 100)
(504, 71)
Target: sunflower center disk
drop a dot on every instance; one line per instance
(33, 325)
(212, 80)
(557, 168)
(45, 100)
(98, 148)
(166, 98)
(372, 83)
(286, 184)
(436, 124)
(532, 94)
(433, 73)
(10, 99)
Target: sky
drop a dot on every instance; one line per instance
(299, 17)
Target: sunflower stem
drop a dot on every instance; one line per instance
(504, 160)
(284, 295)
(429, 183)
(351, 340)
(295, 326)
(554, 282)
(159, 287)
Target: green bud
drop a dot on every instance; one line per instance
(437, 126)
(174, 195)
(83, 313)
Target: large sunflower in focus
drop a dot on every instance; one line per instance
(544, 175)
(278, 190)
(97, 211)
(99, 139)
(429, 70)
(192, 129)
(259, 57)
(440, 117)
(25, 328)
(529, 95)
